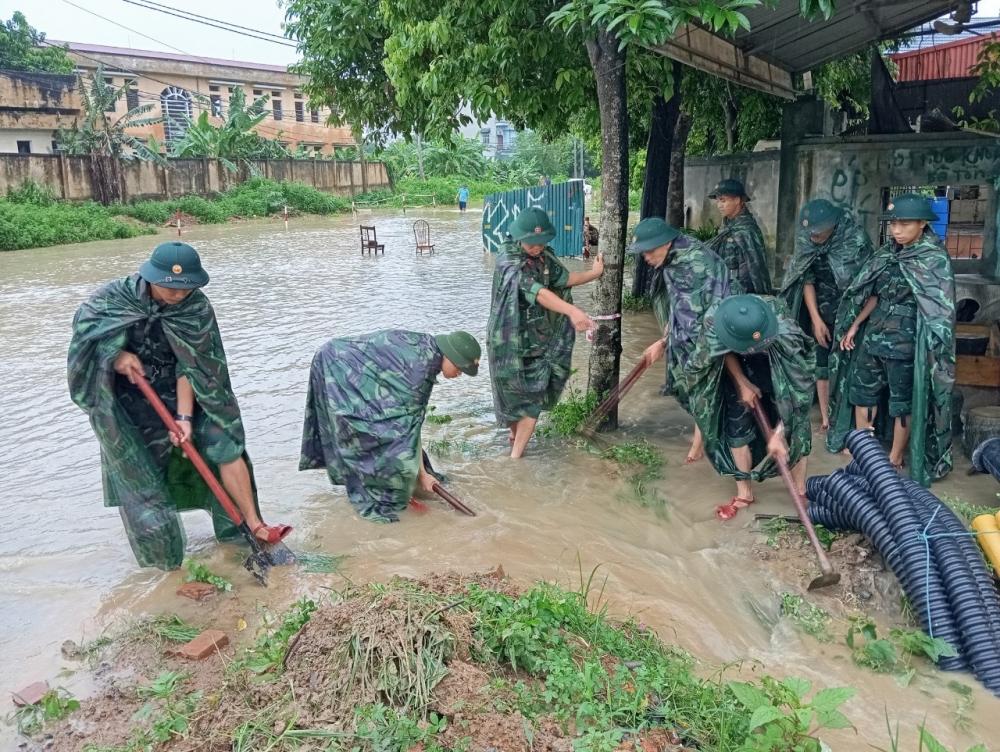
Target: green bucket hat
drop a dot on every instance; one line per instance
(532, 226)
(175, 265)
(909, 206)
(462, 349)
(819, 215)
(729, 187)
(746, 324)
(650, 234)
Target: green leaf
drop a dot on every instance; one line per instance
(833, 719)
(748, 695)
(928, 741)
(764, 715)
(831, 699)
(799, 687)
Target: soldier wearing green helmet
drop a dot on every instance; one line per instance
(160, 325)
(740, 242)
(830, 248)
(365, 407)
(688, 278)
(749, 350)
(532, 325)
(896, 360)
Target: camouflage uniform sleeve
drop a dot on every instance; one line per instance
(558, 274)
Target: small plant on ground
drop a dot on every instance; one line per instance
(890, 655)
(645, 461)
(174, 628)
(433, 417)
(570, 413)
(198, 572)
(811, 618)
(927, 742)
(966, 510)
(55, 704)
(636, 303)
(268, 651)
(168, 710)
(774, 529)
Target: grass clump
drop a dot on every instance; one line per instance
(198, 572)
(433, 417)
(642, 462)
(570, 413)
(704, 233)
(811, 618)
(636, 303)
(31, 719)
(966, 510)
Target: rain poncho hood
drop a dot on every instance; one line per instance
(927, 269)
(364, 410)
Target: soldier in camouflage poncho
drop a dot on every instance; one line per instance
(740, 243)
(688, 279)
(366, 404)
(830, 249)
(750, 350)
(158, 324)
(907, 346)
(532, 325)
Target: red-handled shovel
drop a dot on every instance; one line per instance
(258, 563)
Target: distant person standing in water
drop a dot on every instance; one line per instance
(463, 197)
(532, 325)
(740, 242)
(590, 238)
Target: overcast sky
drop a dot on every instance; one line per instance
(62, 21)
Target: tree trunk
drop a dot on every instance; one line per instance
(655, 184)
(608, 63)
(420, 158)
(364, 167)
(676, 216)
(730, 107)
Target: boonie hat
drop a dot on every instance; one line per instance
(175, 265)
(819, 215)
(650, 234)
(729, 187)
(746, 324)
(462, 349)
(909, 206)
(532, 226)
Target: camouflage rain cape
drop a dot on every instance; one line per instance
(364, 410)
(689, 282)
(926, 267)
(740, 244)
(847, 251)
(148, 494)
(792, 359)
(530, 348)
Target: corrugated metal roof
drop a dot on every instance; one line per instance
(926, 36)
(952, 60)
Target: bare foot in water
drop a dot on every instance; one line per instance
(695, 454)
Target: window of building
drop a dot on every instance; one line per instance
(317, 150)
(132, 98)
(298, 95)
(216, 105)
(258, 93)
(111, 104)
(232, 89)
(300, 112)
(55, 147)
(275, 93)
(176, 105)
(213, 88)
(485, 133)
(276, 108)
(24, 147)
(499, 142)
(314, 116)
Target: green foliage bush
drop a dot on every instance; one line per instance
(29, 225)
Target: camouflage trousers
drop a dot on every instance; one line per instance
(874, 374)
(740, 426)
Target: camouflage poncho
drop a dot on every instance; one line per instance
(530, 348)
(364, 411)
(740, 244)
(927, 268)
(149, 494)
(846, 252)
(792, 359)
(690, 281)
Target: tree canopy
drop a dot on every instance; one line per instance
(21, 49)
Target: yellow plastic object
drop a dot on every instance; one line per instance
(988, 528)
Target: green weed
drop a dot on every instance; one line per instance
(636, 303)
(569, 414)
(966, 510)
(315, 563)
(55, 704)
(167, 709)
(890, 655)
(268, 651)
(198, 572)
(704, 233)
(811, 618)
(174, 628)
(774, 529)
(450, 447)
(925, 738)
(645, 461)
(433, 417)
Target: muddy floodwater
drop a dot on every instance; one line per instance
(67, 572)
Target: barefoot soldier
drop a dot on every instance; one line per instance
(830, 249)
(740, 242)
(158, 323)
(688, 279)
(366, 404)
(749, 350)
(532, 325)
(896, 329)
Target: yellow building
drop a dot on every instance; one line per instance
(185, 85)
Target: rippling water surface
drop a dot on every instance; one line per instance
(66, 570)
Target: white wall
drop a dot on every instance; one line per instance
(41, 140)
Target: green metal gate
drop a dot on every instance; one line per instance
(563, 202)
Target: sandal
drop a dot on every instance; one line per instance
(727, 511)
(418, 506)
(275, 533)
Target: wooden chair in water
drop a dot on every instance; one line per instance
(422, 234)
(369, 241)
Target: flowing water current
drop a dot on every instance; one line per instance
(66, 570)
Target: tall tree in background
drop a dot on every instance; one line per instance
(21, 49)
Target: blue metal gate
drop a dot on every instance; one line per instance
(563, 202)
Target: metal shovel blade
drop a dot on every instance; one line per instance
(825, 580)
(257, 566)
(279, 554)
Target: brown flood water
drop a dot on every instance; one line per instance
(66, 570)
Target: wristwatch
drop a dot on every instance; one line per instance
(186, 418)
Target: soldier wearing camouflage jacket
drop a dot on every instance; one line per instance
(159, 325)
(366, 404)
(896, 329)
(740, 243)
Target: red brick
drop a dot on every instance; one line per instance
(31, 694)
(202, 646)
(197, 591)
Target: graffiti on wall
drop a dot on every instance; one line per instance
(947, 166)
(848, 189)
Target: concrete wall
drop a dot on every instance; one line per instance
(69, 177)
(41, 140)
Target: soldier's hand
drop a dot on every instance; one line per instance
(821, 332)
(599, 264)
(185, 434)
(847, 343)
(426, 481)
(128, 365)
(776, 446)
(581, 321)
(654, 352)
(749, 394)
